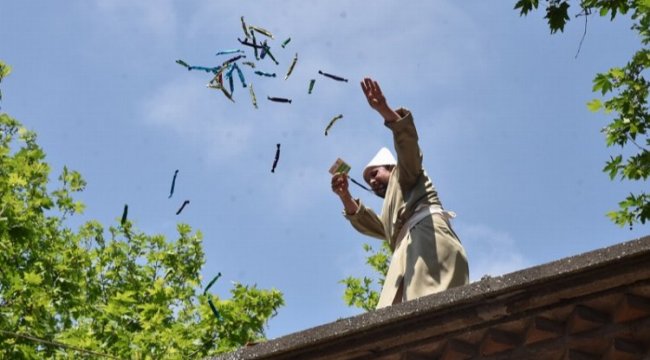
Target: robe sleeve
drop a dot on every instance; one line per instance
(409, 156)
(366, 222)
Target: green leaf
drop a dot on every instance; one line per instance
(32, 278)
(526, 6)
(594, 105)
(557, 16)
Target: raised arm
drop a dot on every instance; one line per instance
(405, 137)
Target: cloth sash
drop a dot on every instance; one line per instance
(397, 269)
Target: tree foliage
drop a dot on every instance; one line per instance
(624, 92)
(103, 293)
(364, 292)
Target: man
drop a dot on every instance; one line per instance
(427, 255)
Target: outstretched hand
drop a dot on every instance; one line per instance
(377, 100)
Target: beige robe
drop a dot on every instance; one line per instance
(430, 257)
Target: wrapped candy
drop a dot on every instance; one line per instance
(243, 25)
(240, 74)
(125, 213)
(278, 99)
(183, 63)
(293, 64)
(185, 203)
(232, 60)
(230, 51)
(260, 30)
(225, 92)
(335, 119)
(337, 78)
(171, 192)
(277, 157)
(284, 43)
(245, 42)
(260, 73)
(267, 51)
(253, 98)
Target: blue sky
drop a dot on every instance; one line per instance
(499, 105)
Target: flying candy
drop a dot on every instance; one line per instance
(338, 78)
(171, 192)
(183, 63)
(243, 25)
(253, 45)
(249, 63)
(284, 43)
(337, 117)
(232, 60)
(225, 92)
(205, 292)
(311, 85)
(293, 64)
(182, 206)
(125, 213)
(253, 98)
(267, 51)
(264, 74)
(277, 157)
(231, 51)
(278, 99)
(240, 74)
(260, 30)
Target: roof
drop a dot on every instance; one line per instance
(594, 305)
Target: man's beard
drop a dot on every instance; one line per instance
(380, 191)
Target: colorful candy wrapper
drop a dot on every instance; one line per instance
(257, 57)
(230, 51)
(277, 157)
(260, 30)
(125, 214)
(340, 166)
(241, 75)
(267, 51)
(260, 73)
(278, 99)
(337, 78)
(284, 43)
(230, 82)
(205, 292)
(293, 64)
(249, 44)
(253, 98)
(243, 25)
(225, 92)
(311, 85)
(206, 69)
(183, 63)
(171, 192)
(232, 60)
(185, 203)
(337, 117)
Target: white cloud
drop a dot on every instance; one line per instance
(490, 252)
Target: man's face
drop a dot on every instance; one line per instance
(377, 178)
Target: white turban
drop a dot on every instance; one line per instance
(383, 157)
